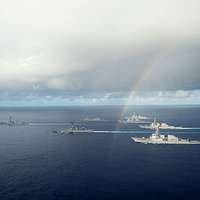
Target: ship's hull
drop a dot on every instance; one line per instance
(150, 141)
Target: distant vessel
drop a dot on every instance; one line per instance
(74, 129)
(162, 125)
(12, 122)
(135, 119)
(157, 138)
(96, 119)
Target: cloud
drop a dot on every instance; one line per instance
(96, 47)
(178, 97)
(56, 83)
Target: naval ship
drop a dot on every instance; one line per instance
(75, 129)
(162, 125)
(135, 119)
(12, 122)
(157, 138)
(96, 119)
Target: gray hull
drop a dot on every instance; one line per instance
(76, 131)
(150, 141)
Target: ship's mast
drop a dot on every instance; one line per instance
(157, 129)
(10, 119)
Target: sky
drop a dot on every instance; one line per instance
(99, 52)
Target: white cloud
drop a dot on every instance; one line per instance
(99, 46)
(56, 83)
(175, 94)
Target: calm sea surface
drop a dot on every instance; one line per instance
(37, 164)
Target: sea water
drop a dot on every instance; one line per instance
(37, 164)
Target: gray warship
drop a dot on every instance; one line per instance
(74, 129)
(157, 138)
(12, 122)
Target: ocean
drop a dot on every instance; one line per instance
(38, 164)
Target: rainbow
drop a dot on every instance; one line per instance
(148, 70)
